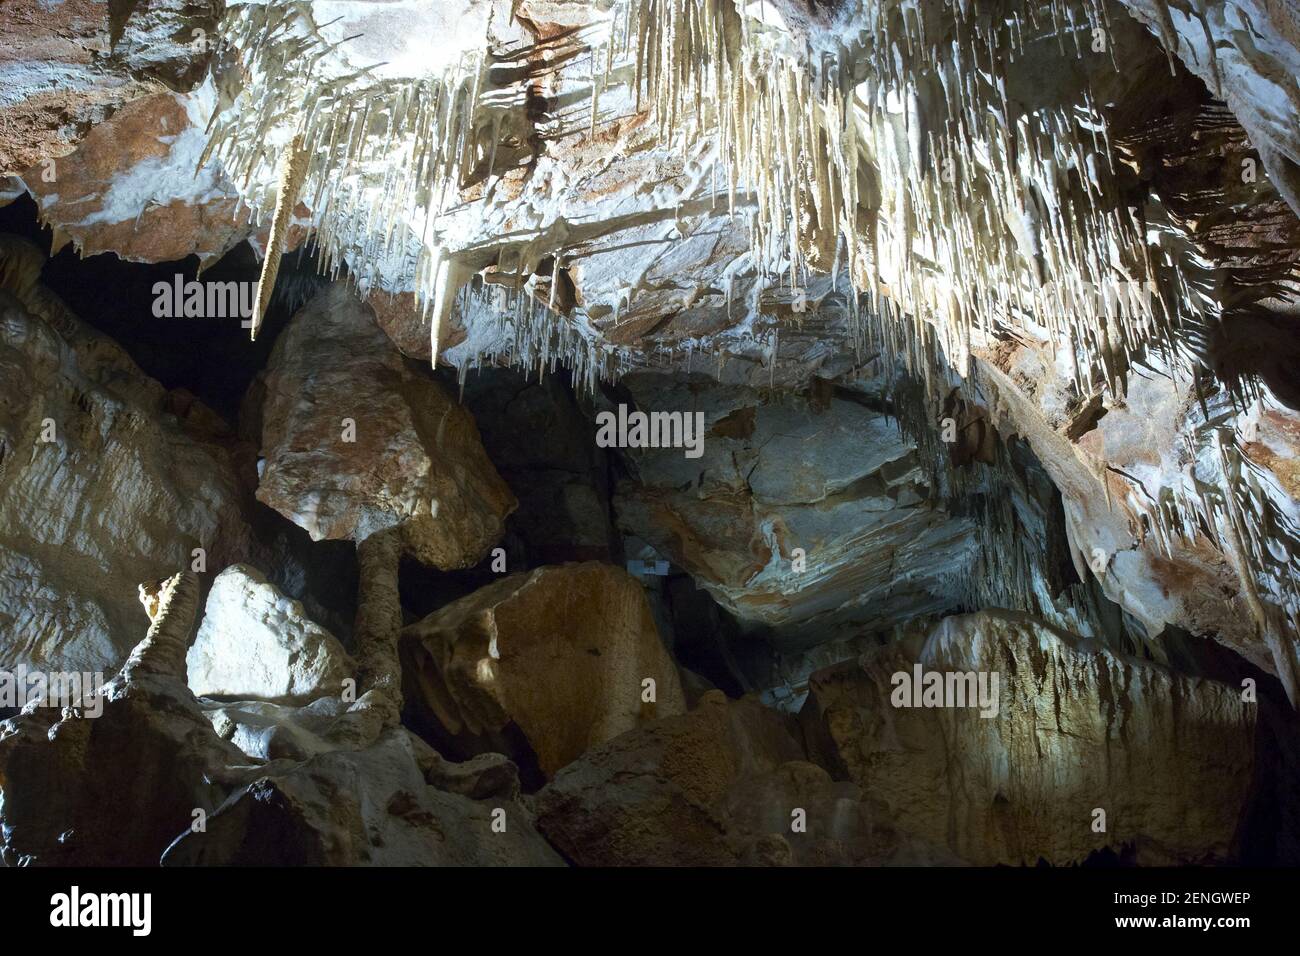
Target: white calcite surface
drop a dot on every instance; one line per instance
(256, 643)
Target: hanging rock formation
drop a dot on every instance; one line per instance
(799, 517)
(355, 442)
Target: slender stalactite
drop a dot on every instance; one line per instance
(293, 172)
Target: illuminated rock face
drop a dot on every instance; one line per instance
(561, 658)
(256, 643)
(715, 787)
(144, 747)
(107, 480)
(354, 442)
(991, 321)
(1073, 729)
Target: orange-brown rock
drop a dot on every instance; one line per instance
(355, 441)
(403, 322)
(726, 784)
(108, 194)
(542, 665)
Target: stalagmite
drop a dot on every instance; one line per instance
(171, 605)
(378, 627)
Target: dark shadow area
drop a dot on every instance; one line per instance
(211, 357)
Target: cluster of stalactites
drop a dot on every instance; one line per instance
(921, 180)
(1221, 499)
(895, 159)
(519, 330)
(380, 157)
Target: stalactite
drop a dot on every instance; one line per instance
(952, 221)
(293, 170)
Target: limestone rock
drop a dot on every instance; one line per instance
(718, 786)
(1157, 445)
(541, 665)
(63, 74)
(147, 746)
(373, 807)
(840, 484)
(101, 485)
(406, 324)
(1169, 758)
(1248, 74)
(105, 195)
(255, 643)
(355, 442)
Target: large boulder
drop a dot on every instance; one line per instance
(1074, 728)
(541, 665)
(256, 643)
(356, 442)
(726, 784)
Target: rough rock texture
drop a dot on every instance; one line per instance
(267, 731)
(102, 111)
(416, 461)
(1169, 758)
(373, 807)
(407, 325)
(67, 65)
(255, 643)
(115, 789)
(104, 196)
(128, 485)
(837, 480)
(1112, 475)
(715, 787)
(541, 666)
